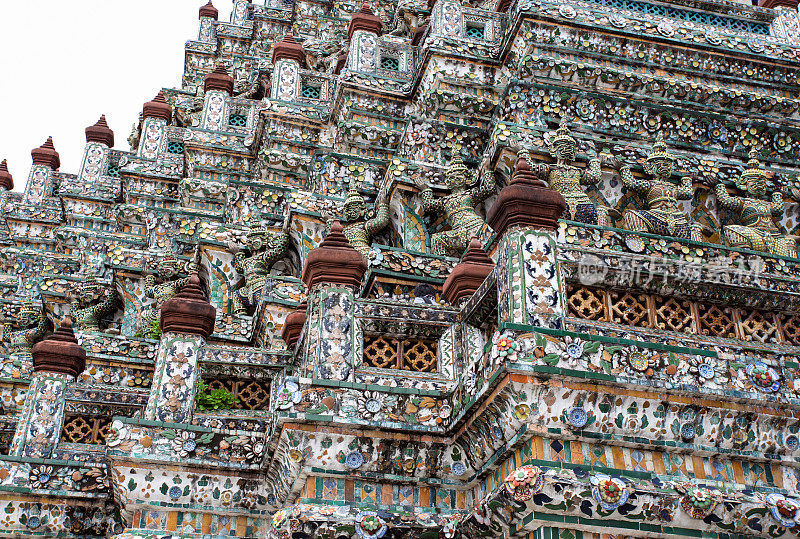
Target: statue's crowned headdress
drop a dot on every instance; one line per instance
(753, 174)
(563, 135)
(457, 168)
(169, 262)
(353, 197)
(660, 152)
(254, 223)
(89, 281)
(28, 309)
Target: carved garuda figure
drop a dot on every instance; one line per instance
(29, 328)
(170, 278)
(567, 179)
(262, 250)
(756, 227)
(357, 228)
(458, 207)
(663, 216)
(91, 303)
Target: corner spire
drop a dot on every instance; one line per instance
(219, 80)
(6, 180)
(46, 155)
(100, 132)
(210, 11)
(158, 108)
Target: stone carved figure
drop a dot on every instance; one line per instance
(458, 207)
(756, 227)
(170, 278)
(567, 179)
(357, 228)
(322, 56)
(663, 216)
(407, 20)
(262, 250)
(29, 328)
(133, 138)
(91, 303)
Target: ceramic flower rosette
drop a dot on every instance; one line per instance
(698, 502)
(785, 510)
(505, 346)
(524, 483)
(288, 395)
(609, 492)
(370, 526)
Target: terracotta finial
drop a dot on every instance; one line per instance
(219, 80)
(335, 261)
(502, 6)
(469, 274)
(525, 201)
(290, 49)
(365, 20)
(46, 155)
(189, 311)
(158, 108)
(60, 353)
(772, 4)
(209, 10)
(100, 132)
(293, 325)
(6, 180)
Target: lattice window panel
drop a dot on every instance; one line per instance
(791, 329)
(311, 92)
(715, 321)
(175, 147)
(687, 15)
(237, 120)
(113, 171)
(381, 352)
(475, 31)
(416, 355)
(587, 303)
(674, 314)
(389, 63)
(629, 309)
(80, 429)
(250, 394)
(758, 326)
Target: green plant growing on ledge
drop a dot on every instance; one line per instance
(153, 333)
(215, 399)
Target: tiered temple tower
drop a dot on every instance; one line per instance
(419, 270)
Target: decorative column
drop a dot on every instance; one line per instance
(333, 274)
(239, 12)
(208, 15)
(447, 18)
(40, 181)
(6, 180)
(524, 218)
(218, 88)
(57, 362)
(186, 322)
(288, 57)
(363, 32)
(786, 25)
(99, 141)
(157, 116)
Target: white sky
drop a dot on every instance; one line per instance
(63, 63)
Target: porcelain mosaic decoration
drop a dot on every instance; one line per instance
(418, 270)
